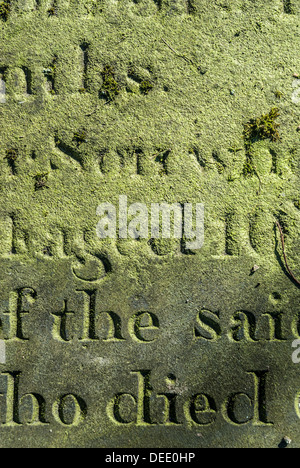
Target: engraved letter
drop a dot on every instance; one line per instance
(207, 326)
(260, 399)
(89, 316)
(202, 409)
(144, 398)
(60, 324)
(143, 325)
(245, 327)
(275, 321)
(20, 301)
(12, 398)
(62, 409)
(257, 405)
(117, 407)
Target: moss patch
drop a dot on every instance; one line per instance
(5, 8)
(260, 128)
(11, 157)
(288, 7)
(79, 137)
(53, 9)
(41, 181)
(110, 88)
(146, 86)
(297, 204)
(50, 74)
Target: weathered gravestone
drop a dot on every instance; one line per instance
(147, 342)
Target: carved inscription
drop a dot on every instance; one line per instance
(102, 116)
(149, 405)
(31, 408)
(200, 409)
(142, 326)
(244, 326)
(92, 8)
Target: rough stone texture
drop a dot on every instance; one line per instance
(165, 123)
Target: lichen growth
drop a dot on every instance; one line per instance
(162, 158)
(64, 216)
(235, 149)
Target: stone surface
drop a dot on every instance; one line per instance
(131, 343)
